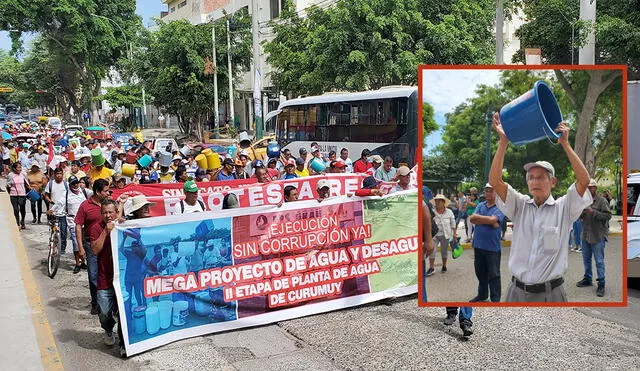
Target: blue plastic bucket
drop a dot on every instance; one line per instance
(317, 165)
(145, 161)
(33, 195)
(273, 150)
(531, 117)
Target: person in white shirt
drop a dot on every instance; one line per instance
(191, 203)
(404, 180)
(41, 157)
(68, 206)
(539, 247)
(344, 156)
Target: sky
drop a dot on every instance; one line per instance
(446, 89)
(144, 8)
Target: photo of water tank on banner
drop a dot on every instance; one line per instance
(531, 117)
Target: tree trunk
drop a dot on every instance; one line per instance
(599, 80)
(95, 117)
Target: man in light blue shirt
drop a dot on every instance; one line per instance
(386, 172)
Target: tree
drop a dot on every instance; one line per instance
(429, 124)
(173, 67)
(365, 44)
(464, 134)
(617, 40)
(76, 39)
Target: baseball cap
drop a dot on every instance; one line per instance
(403, 170)
(338, 163)
(273, 159)
(227, 161)
(299, 161)
(190, 186)
(315, 149)
(73, 180)
(243, 153)
(543, 164)
(376, 158)
(592, 183)
(488, 185)
(291, 162)
(370, 182)
(323, 183)
(257, 164)
(302, 150)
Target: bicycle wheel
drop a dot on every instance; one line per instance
(53, 259)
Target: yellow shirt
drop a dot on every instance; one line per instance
(166, 178)
(304, 172)
(105, 174)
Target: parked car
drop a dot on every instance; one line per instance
(69, 129)
(54, 122)
(161, 144)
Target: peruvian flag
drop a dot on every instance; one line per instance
(52, 161)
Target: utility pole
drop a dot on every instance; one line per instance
(231, 113)
(257, 103)
(216, 116)
(499, 32)
(587, 53)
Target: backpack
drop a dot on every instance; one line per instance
(66, 199)
(182, 206)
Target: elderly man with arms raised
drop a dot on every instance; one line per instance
(539, 248)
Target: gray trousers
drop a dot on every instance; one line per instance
(515, 294)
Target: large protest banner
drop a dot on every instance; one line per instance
(249, 193)
(217, 271)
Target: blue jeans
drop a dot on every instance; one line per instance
(487, 267)
(577, 233)
(424, 280)
(597, 249)
(107, 305)
(62, 225)
(464, 315)
(92, 271)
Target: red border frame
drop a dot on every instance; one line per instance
(623, 69)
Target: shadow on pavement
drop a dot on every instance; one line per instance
(87, 340)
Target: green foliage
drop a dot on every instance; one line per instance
(173, 65)
(464, 134)
(365, 44)
(549, 28)
(429, 124)
(80, 47)
(127, 96)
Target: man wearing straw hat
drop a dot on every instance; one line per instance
(539, 248)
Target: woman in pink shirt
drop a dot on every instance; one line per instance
(17, 185)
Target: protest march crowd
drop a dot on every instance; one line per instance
(70, 177)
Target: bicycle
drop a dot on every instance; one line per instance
(53, 258)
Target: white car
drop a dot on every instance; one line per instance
(71, 129)
(54, 122)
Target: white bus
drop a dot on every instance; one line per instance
(383, 121)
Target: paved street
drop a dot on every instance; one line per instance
(376, 336)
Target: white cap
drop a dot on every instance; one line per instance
(543, 164)
(592, 183)
(488, 185)
(323, 183)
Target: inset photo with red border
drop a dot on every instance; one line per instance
(523, 185)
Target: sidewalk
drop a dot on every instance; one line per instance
(27, 342)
